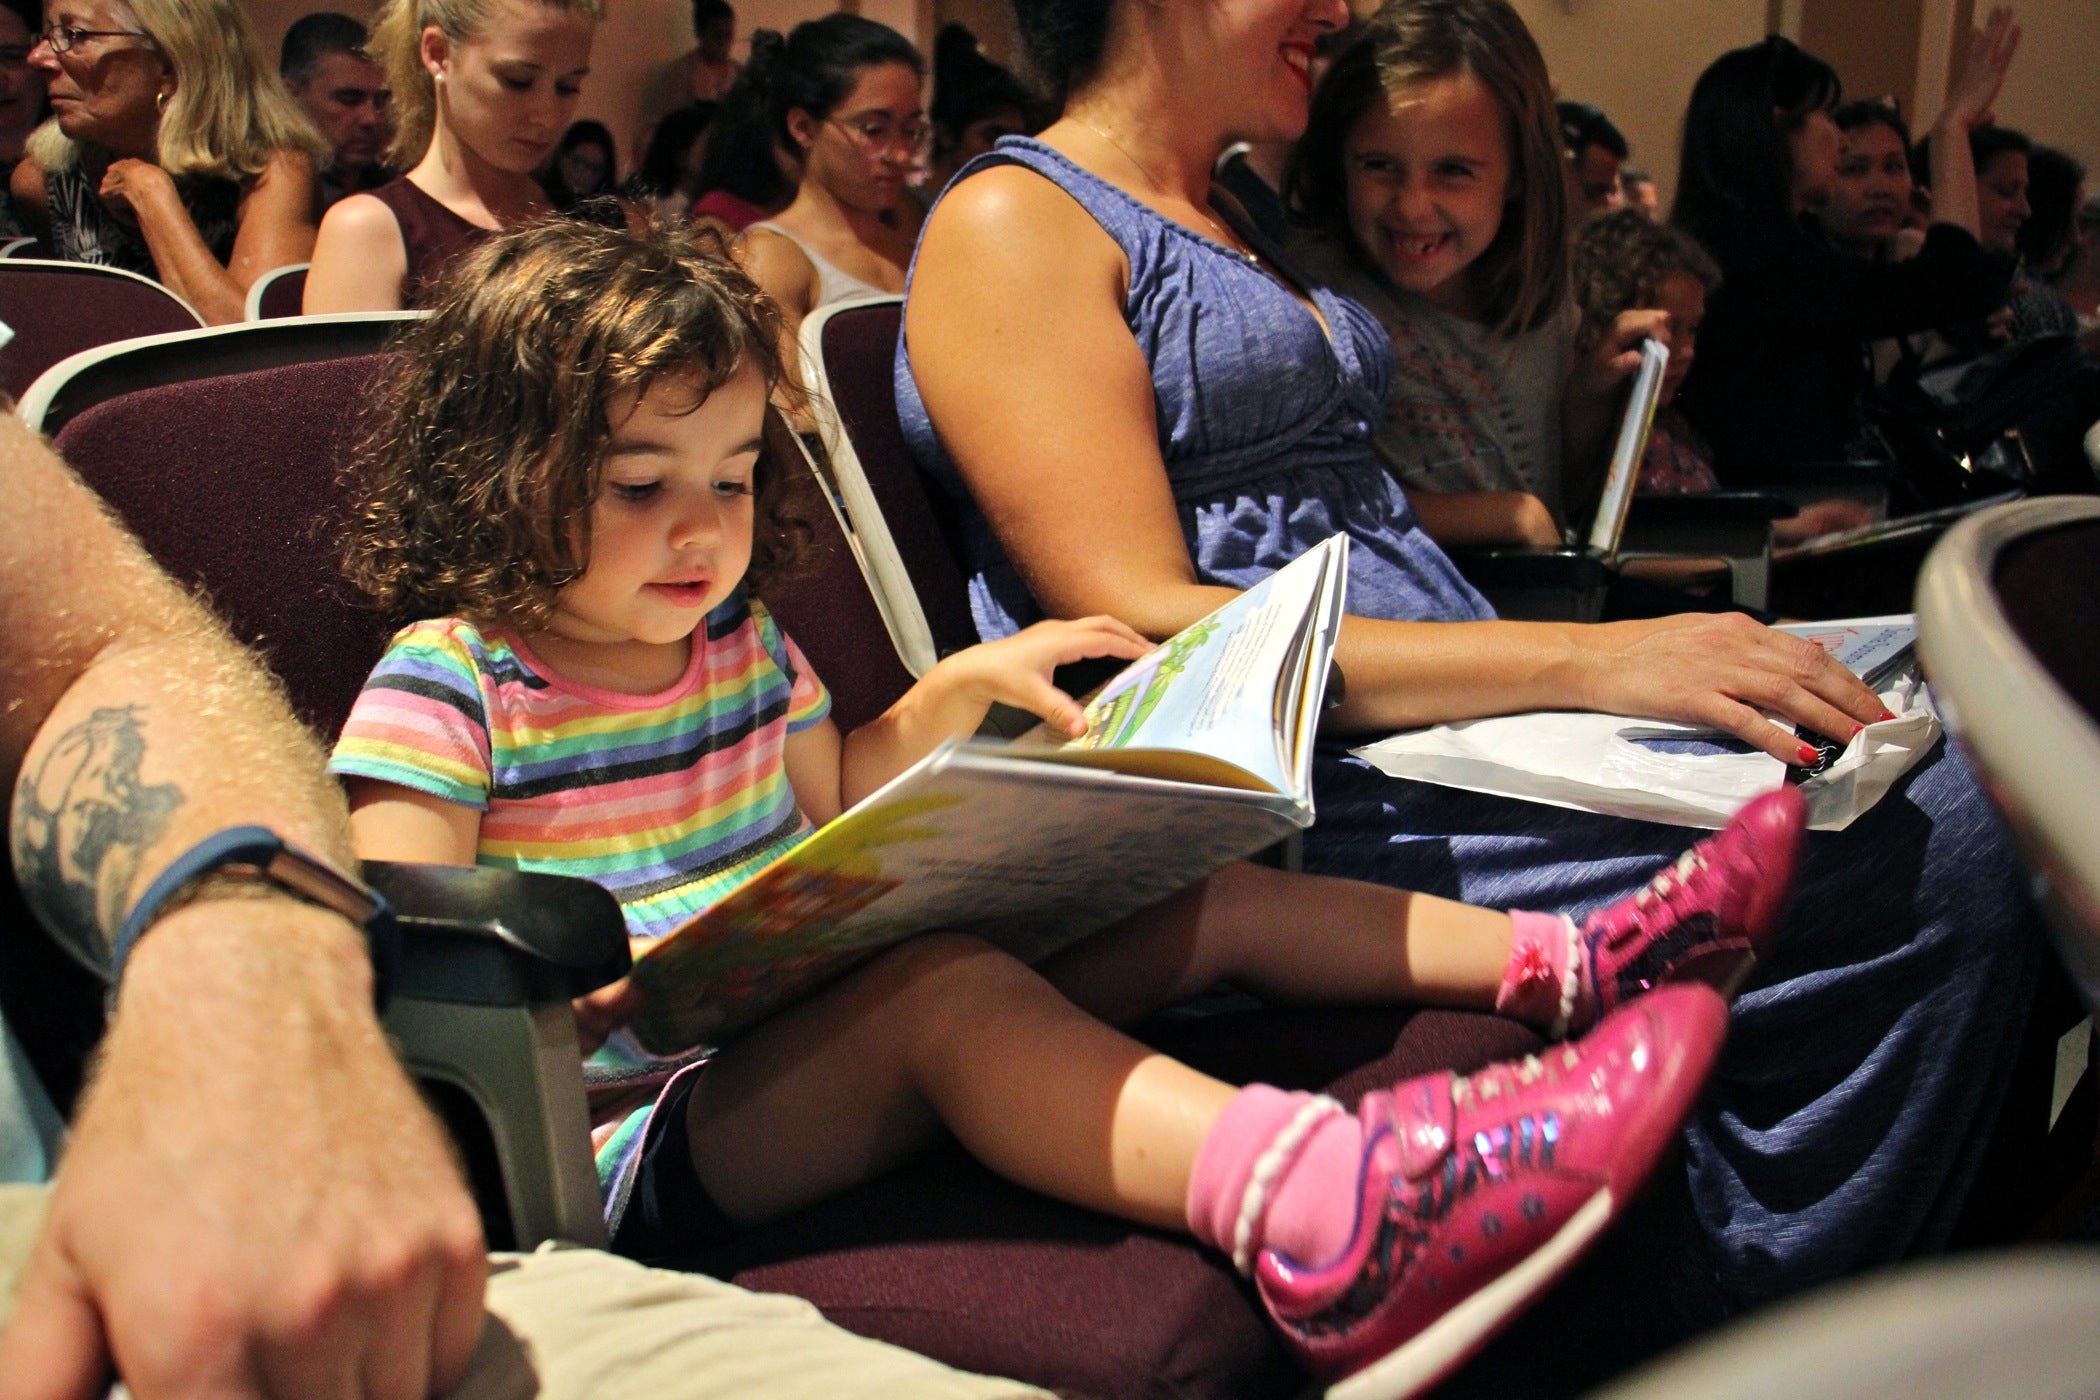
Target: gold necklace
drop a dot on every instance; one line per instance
(1159, 187)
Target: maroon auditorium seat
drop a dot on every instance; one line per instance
(58, 309)
(255, 458)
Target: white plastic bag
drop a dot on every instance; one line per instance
(1596, 763)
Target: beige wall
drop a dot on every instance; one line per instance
(2054, 92)
(1637, 59)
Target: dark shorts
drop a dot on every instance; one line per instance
(669, 1215)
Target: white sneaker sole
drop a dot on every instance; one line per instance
(1425, 1359)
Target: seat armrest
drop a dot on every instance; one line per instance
(500, 937)
(1531, 568)
(1720, 508)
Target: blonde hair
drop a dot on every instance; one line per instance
(229, 113)
(397, 43)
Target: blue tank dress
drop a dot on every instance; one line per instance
(1866, 1060)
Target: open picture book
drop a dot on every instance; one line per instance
(1196, 755)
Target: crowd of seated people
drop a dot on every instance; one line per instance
(1415, 327)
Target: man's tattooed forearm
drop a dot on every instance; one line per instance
(82, 824)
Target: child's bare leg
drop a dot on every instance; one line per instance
(946, 1031)
(1289, 938)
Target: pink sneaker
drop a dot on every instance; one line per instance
(1704, 918)
(1479, 1192)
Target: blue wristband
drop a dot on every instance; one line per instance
(262, 853)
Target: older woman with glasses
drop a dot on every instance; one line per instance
(174, 151)
(843, 94)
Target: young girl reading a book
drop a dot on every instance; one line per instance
(1431, 179)
(573, 477)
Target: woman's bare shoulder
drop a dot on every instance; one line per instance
(360, 218)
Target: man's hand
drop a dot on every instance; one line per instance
(254, 1202)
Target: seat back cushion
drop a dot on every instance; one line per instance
(860, 348)
(234, 485)
(56, 311)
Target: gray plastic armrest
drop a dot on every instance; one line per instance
(490, 962)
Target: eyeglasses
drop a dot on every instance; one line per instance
(63, 38)
(879, 133)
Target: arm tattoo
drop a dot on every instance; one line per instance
(82, 825)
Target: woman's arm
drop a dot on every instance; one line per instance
(1470, 519)
(32, 200)
(359, 260)
(1990, 54)
(276, 229)
(786, 274)
(1044, 400)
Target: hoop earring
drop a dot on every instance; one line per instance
(160, 102)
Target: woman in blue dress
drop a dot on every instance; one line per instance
(1148, 409)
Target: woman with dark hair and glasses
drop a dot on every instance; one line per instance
(842, 94)
(1781, 367)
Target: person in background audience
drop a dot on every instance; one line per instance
(1641, 194)
(843, 93)
(21, 99)
(1781, 367)
(975, 102)
(2049, 240)
(1868, 211)
(1595, 151)
(669, 175)
(1140, 415)
(2032, 307)
(747, 173)
(1433, 194)
(2080, 278)
(173, 151)
(482, 89)
(705, 74)
(582, 167)
(324, 63)
(1624, 261)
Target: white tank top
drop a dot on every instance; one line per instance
(834, 283)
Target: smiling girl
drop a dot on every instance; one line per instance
(1431, 172)
(483, 89)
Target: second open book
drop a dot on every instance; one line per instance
(1196, 755)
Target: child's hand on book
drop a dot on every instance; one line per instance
(1016, 670)
(600, 1013)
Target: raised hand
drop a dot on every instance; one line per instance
(1984, 66)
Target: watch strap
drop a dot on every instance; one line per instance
(270, 858)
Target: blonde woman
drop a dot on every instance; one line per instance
(172, 150)
(483, 89)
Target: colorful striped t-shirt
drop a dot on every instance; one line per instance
(668, 800)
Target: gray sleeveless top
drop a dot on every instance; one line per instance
(1265, 421)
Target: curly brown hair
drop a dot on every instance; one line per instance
(475, 480)
(1621, 261)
